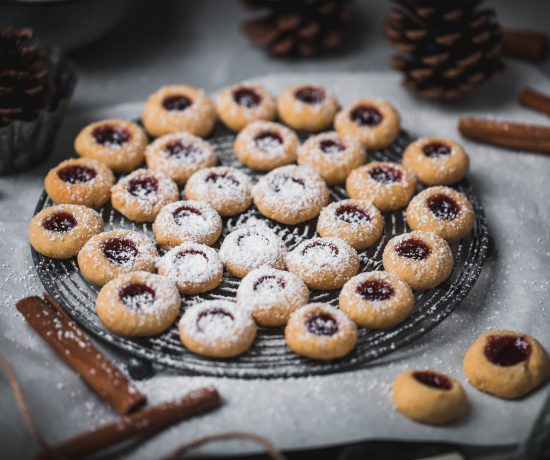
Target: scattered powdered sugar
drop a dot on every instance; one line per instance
(265, 107)
(324, 316)
(322, 253)
(179, 149)
(85, 219)
(359, 214)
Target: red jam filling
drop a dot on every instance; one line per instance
(443, 206)
(185, 211)
(177, 103)
(372, 290)
(111, 135)
(59, 222)
(433, 380)
(413, 248)
(322, 324)
(268, 140)
(247, 97)
(212, 314)
(352, 214)
(221, 180)
(325, 245)
(76, 174)
(187, 252)
(310, 95)
(181, 150)
(385, 174)
(269, 283)
(143, 187)
(436, 150)
(119, 251)
(137, 296)
(332, 147)
(507, 350)
(364, 115)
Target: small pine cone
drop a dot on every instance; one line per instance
(447, 47)
(297, 27)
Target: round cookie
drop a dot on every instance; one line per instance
(119, 144)
(138, 304)
(429, 397)
(422, 259)
(506, 364)
(271, 295)
(195, 268)
(307, 107)
(436, 161)
(80, 181)
(358, 222)
(332, 156)
(320, 331)
(376, 300)
(374, 122)
(187, 222)
(141, 195)
(176, 108)
(60, 231)
(323, 263)
(441, 210)
(180, 155)
(217, 328)
(388, 185)
(265, 145)
(241, 104)
(249, 248)
(291, 194)
(226, 189)
(109, 254)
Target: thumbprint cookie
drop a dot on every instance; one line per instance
(180, 155)
(388, 185)
(80, 181)
(138, 304)
(332, 156)
(60, 231)
(226, 189)
(376, 300)
(265, 145)
(323, 263)
(429, 397)
(506, 364)
(422, 259)
(291, 194)
(195, 268)
(176, 108)
(441, 210)
(141, 195)
(109, 254)
(271, 295)
(187, 222)
(118, 143)
(217, 329)
(320, 331)
(436, 161)
(307, 107)
(248, 248)
(241, 104)
(358, 222)
(374, 122)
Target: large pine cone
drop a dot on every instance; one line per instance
(297, 27)
(448, 47)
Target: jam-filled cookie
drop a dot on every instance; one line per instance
(422, 259)
(176, 108)
(141, 195)
(332, 156)
(180, 155)
(217, 328)
(119, 144)
(376, 300)
(323, 263)
(109, 254)
(436, 161)
(241, 104)
(265, 145)
(80, 181)
(138, 304)
(358, 222)
(388, 185)
(320, 331)
(374, 122)
(429, 397)
(226, 189)
(271, 295)
(441, 210)
(506, 364)
(195, 268)
(291, 194)
(307, 107)
(248, 248)
(187, 221)
(60, 231)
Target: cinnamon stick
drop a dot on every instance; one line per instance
(63, 335)
(145, 421)
(535, 100)
(528, 45)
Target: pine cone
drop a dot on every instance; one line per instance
(448, 47)
(25, 86)
(297, 27)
